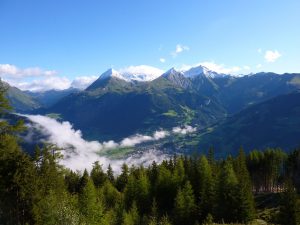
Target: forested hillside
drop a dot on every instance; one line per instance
(180, 190)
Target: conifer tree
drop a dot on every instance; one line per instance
(97, 174)
(246, 209)
(290, 207)
(184, 209)
(123, 178)
(206, 189)
(227, 192)
(90, 207)
(165, 189)
(110, 174)
(111, 195)
(132, 216)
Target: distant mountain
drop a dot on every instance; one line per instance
(122, 103)
(133, 74)
(48, 98)
(177, 78)
(273, 123)
(110, 80)
(202, 71)
(114, 107)
(19, 100)
(237, 93)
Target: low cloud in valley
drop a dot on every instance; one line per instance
(80, 154)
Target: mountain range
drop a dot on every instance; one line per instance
(119, 104)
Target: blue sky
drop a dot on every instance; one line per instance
(73, 38)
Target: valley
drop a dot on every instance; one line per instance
(222, 108)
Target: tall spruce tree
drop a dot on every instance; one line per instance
(246, 205)
(97, 175)
(185, 207)
(90, 206)
(290, 206)
(206, 189)
(227, 192)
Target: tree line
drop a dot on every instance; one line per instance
(181, 190)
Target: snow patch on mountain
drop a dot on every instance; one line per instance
(202, 70)
(140, 73)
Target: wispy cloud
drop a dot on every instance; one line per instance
(43, 84)
(272, 56)
(184, 130)
(162, 60)
(80, 154)
(179, 49)
(83, 81)
(12, 71)
(37, 79)
(140, 73)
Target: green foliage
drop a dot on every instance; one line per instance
(57, 209)
(184, 209)
(227, 190)
(97, 175)
(110, 174)
(111, 196)
(206, 188)
(132, 216)
(20, 101)
(246, 210)
(290, 206)
(90, 206)
(123, 178)
(170, 113)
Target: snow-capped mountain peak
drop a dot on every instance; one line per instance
(173, 70)
(133, 73)
(142, 73)
(202, 70)
(111, 73)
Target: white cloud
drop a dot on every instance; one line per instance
(272, 56)
(179, 48)
(246, 68)
(184, 130)
(162, 60)
(160, 134)
(138, 138)
(36, 79)
(83, 82)
(80, 154)
(13, 72)
(140, 73)
(258, 66)
(47, 83)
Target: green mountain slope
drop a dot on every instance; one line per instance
(48, 98)
(273, 123)
(19, 100)
(113, 108)
(237, 93)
